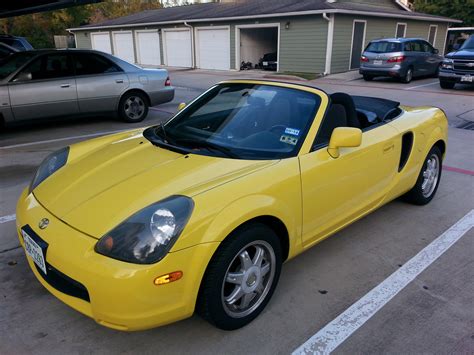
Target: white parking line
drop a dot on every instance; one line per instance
(6, 219)
(420, 86)
(343, 326)
(61, 139)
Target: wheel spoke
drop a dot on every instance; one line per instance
(235, 277)
(245, 260)
(235, 295)
(265, 269)
(258, 257)
(248, 297)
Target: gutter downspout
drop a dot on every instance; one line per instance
(329, 42)
(191, 28)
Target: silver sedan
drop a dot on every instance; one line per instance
(48, 83)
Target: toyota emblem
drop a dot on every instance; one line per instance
(43, 223)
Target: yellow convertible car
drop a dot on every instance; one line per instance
(145, 227)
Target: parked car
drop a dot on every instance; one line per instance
(19, 43)
(269, 61)
(6, 51)
(48, 83)
(142, 228)
(403, 58)
(458, 66)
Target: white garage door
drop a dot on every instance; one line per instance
(177, 48)
(123, 46)
(213, 48)
(148, 47)
(101, 42)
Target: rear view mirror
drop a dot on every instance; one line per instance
(24, 76)
(181, 106)
(344, 137)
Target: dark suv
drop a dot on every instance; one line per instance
(19, 43)
(458, 66)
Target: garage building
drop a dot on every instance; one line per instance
(308, 36)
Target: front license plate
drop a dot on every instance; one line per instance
(34, 251)
(467, 78)
(265, 63)
(378, 62)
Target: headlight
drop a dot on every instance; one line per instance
(49, 166)
(148, 235)
(447, 63)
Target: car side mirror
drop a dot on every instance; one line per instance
(181, 106)
(24, 76)
(456, 46)
(344, 137)
(435, 51)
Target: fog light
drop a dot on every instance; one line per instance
(166, 279)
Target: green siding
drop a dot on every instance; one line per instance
(376, 28)
(83, 40)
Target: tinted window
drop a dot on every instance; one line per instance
(416, 47)
(253, 121)
(384, 47)
(50, 66)
(4, 52)
(13, 63)
(13, 43)
(426, 47)
(91, 64)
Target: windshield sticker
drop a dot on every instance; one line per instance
(292, 131)
(288, 140)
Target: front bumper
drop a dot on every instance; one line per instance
(452, 76)
(122, 295)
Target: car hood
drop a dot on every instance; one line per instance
(108, 179)
(461, 54)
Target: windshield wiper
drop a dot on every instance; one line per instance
(161, 132)
(209, 145)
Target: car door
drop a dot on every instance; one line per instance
(432, 58)
(100, 82)
(44, 88)
(337, 191)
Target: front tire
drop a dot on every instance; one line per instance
(133, 107)
(446, 84)
(241, 277)
(428, 180)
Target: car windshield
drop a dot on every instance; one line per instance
(242, 121)
(383, 47)
(469, 44)
(14, 62)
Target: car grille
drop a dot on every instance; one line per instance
(56, 278)
(464, 65)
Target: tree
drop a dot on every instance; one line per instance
(457, 9)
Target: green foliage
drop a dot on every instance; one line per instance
(457, 9)
(39, 29)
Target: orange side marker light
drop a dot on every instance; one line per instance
(166, 279)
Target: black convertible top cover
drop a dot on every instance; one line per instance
(381, 107)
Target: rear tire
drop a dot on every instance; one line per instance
(133, 107)
(446, 84)
(241, 277)
(408, 76)
(368, 77)
(428, 179)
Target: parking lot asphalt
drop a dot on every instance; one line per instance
(433, 314)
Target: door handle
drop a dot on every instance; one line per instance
(388, 148)
(65, 85)
(119, 81)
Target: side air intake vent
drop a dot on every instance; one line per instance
(407, 145)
